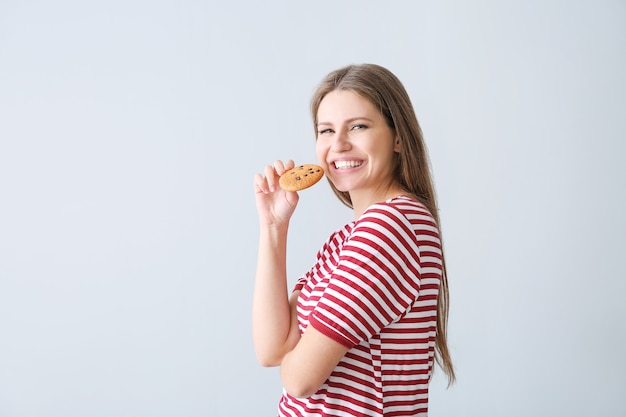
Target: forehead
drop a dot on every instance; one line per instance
(341, 105)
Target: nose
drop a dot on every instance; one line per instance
(341, 141)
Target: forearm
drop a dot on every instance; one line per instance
(271, 310)
(305, 368)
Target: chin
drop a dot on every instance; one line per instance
(343, 184)
(343, 188)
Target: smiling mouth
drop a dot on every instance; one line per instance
(347, 164)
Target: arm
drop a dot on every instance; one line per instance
(274, 324)
(310, 363)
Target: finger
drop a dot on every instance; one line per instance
(260, 184)
(279, 166)
(271, 177)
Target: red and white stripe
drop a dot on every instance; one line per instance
(374, 288)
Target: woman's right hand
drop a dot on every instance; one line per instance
(275, 206)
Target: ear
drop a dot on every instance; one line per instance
(397, 147)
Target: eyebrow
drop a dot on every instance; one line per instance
(350, 120)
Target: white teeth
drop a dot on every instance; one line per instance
(346, 164)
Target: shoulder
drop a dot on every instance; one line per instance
(401, 209)
(402, 217)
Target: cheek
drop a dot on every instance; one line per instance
(320, 152)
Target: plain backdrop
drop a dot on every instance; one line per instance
(130, 132)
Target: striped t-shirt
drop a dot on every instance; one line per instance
(374, 289)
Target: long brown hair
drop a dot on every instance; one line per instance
(412, 170)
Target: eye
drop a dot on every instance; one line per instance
(323, 131)
(358, 127)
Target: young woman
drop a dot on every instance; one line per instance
(362, 329)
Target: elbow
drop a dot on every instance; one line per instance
(300, 391)
(298, 385)
(267, 361)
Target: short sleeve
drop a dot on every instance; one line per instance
(377, 278)
(300, 282)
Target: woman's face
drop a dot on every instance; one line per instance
(355, 146)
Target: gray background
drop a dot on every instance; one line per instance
(130, 132)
